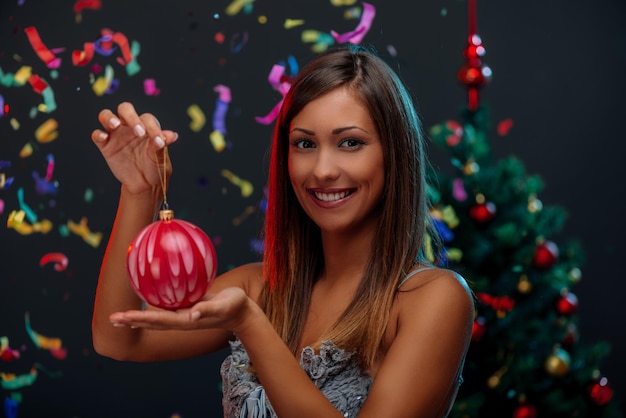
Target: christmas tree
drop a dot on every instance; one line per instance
(526, 358)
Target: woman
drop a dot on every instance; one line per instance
(344, 316)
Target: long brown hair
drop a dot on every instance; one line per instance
(293, 255)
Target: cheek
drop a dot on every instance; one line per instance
(293, 170)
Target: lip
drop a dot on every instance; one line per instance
(330, 198)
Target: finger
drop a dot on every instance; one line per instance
(170, 136)
(154, 319)
(153, 130)
(108, 119)
(99, 137)
(127, 113)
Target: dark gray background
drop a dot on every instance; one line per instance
(559, 69)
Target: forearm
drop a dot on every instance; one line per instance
(289, 389)
(114, 293)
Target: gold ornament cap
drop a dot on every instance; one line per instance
(166, 214)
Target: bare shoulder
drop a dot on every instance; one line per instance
(436, 280)
(436, 289)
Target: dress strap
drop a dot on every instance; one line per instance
(413, 273)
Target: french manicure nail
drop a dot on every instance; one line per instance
(114, 122)
(139, 131)
(195, 315)
(102, 136)
(117, 324)
(159, 141)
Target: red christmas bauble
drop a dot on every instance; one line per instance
(571, 335)
(601, 391)
(473, 75)
(479, 328)
(171, 263)
(546, 255)
(525, 411)
(567, 304)
(482, 212)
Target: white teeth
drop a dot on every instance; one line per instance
(330, 197)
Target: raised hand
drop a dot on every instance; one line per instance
(134, 147)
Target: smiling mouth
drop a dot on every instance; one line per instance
(331, 197)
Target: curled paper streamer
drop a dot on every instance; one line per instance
(150, 88)
(37, 83)
(221, 107)
(275, 80)
(197, 117)
(30, 214)
(320, 40)
(80, 5)
(22, 75)
(16, 221)
(54, 345)
(10, 381)
(292, 23)
(81, 229)
(217, 141)
(47, 131)
(45, 185)
(356, 36)
(103, 83)
(40, 48)
(244, 185)
(236, 5)
(59, 261)
(342, 2)
(104, 46)
(6, 352)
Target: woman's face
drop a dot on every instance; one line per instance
(336, 163)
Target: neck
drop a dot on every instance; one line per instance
(346, 255)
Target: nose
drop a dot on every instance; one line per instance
(326, 165)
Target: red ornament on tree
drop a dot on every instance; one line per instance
(171, 262)
(483, 212)
(571, 336)
(546, 255)
(567, 303)
(525, 411)
(601, 391)
(479, 328)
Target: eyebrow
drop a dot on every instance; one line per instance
(335, 131)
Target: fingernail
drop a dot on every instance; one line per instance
(195, 315)
(102, 136)
(117, 324)
(159, 141)
(139, 131)
(157, 122)
(114, 122)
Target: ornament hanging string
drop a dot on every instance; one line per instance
(162, 177)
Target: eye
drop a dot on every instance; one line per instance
(351, 143)
(302, 143)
